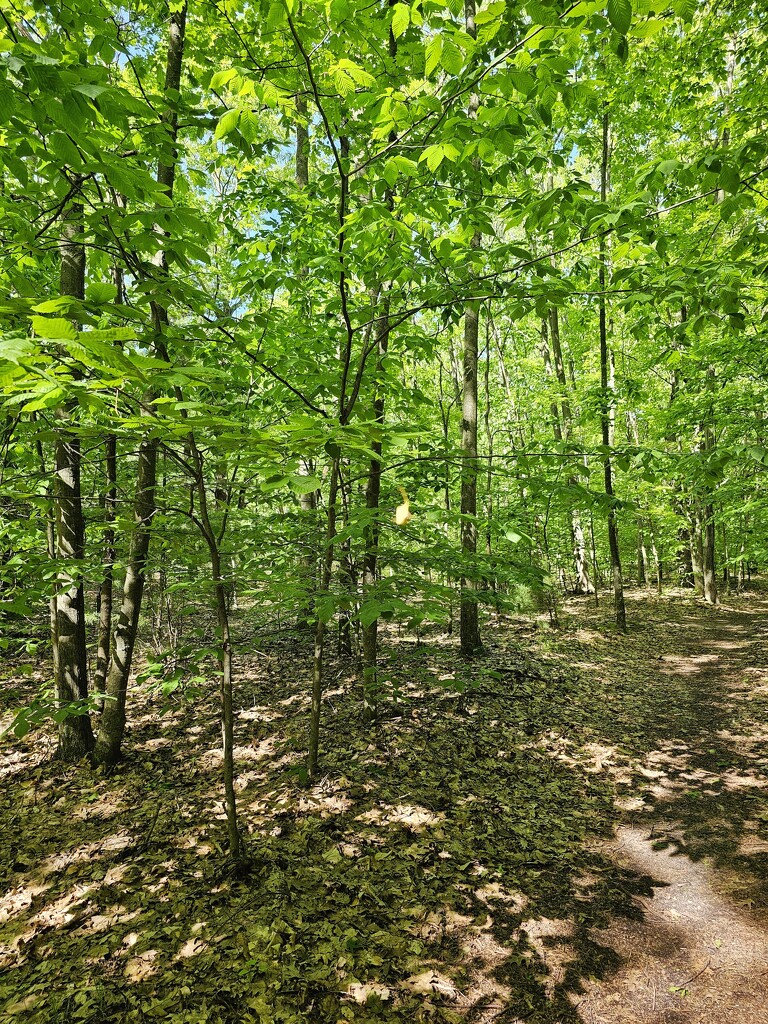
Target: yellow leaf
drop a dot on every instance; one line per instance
(403, 512)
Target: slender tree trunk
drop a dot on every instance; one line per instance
(308, 501)
(562, 425)
(112, 728)
(50, 539)
(656, 560)
(685, 559)
(608, 400)
(347, 580)
(489, 459)
(373, 484)
(708, 513)
(696, 539)
(109, 742)
(708, 555)
(372, 533)
(75, 734)
(320, 628)
(108, 563)
(212, 539)
(469, 629)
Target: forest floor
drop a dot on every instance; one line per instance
(572, 828)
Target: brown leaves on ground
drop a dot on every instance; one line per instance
(454, 861)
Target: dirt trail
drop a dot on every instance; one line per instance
(696, 815)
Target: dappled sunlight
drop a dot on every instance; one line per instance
(88, 853)
(412, 817)
(449, 854)
(694, 944)
(151, 746)
(324, 803)
(550, 938)
(20, 898)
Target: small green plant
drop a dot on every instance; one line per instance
(46, 707)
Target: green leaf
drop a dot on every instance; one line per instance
(451, 59)
(433, 155)
(434, 49)
(401, 19)
(61, 304)
(305, 484)
(620, 15)
(730, 179)
(276, 15)
(101, 292)
(369, 612)
(65, 149)
(685, 9)
(54, 327)
(390, 172)
(227, 124)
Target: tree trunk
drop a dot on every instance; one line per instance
(726, 566)
(70, 659)
(307, 501)
(656, 560)
(50, 542)
(685, 560)
(607, 402)
(695, 535)
(708, 524)
(112, 729)
(108, 563)
(708, 555)
(373, 483)
(320, 629)
(642, 556)
(469, 629)
(212, 539)
(372, 500)
(562, 425)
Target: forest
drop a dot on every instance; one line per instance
(383, 462)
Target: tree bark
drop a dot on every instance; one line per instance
(308, 501)
(372, 500)
(320, 628)
(70, 659)
(708, 513)
(212, 540)
(562, 425)
(607, 401)
(112, 728)
(373, 484)
(469, 629)
(108, 563)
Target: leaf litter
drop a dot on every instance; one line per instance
(458, 860)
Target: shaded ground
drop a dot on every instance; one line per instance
(456, 862)
(696, 815)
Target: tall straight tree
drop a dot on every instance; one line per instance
(562, 415)
(469, 629)
(70, 658)
(607, 391)
(112, 727)
(308, 499)
(373, 483)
